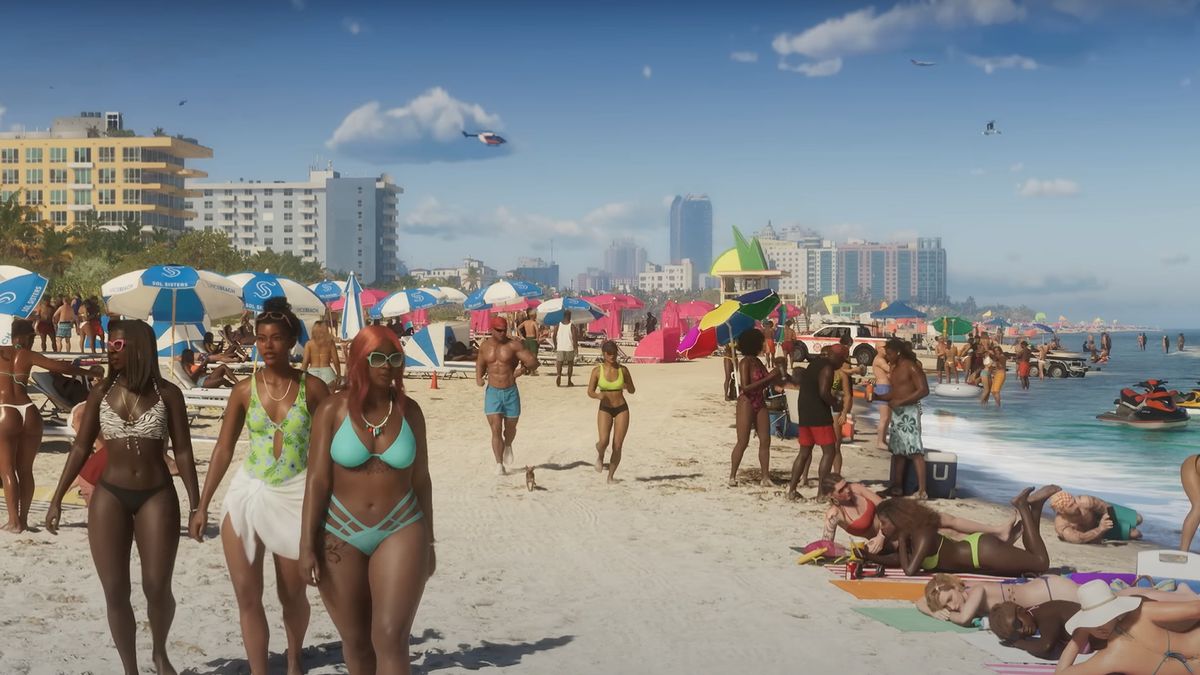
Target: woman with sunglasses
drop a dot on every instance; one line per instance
(135, 499)
(368, 513)
(20, 423)
(263, 505)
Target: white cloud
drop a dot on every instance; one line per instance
(744, 57)
(978, 171)
(1017, 167)
(353, 26)
(647, 72)
(1052, 187)
(426, 129)
(823, 68)
(865, 31)
(431, 218)
(991, 64)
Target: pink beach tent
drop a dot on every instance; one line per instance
(661, 346)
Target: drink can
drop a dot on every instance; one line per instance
(851, 570)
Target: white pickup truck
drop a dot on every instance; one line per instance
(863, 347)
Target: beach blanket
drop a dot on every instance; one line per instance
(839, 569)
(1009, 656)
(881, 589)
(909, 620)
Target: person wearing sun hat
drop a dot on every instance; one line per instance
(1142, 637)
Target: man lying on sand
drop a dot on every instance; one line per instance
(1085, 519)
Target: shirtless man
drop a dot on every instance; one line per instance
(1024, 356)
(502, 360)
(882, 369)
(1084, 519)
(529, 331)
(64, 320)
(45, 324)
(908, 386)
(1043, 352)
(942, 352)
(952, 357)
(997, 373)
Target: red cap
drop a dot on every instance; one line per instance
(499, 323)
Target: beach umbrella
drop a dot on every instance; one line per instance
(352, 312)
(20, 291)
(184, 336)
(735, 316)
(1043, 328)
(176, 292)
(367, 297)
(952, 325)
(446, 294)
(551, 311)
(898, 310)
(998, 322)
(404, 301)
(523, 305)
(1040, 316)
(258, 287)
(502, 293)
(695, 309)
(328, 290)
(697, 343)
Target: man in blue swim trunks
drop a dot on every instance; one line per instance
(501, 361)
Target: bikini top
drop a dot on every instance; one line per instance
(348, 451)
(151, 424)
(862, 525)
(605, 384)
(293, 450)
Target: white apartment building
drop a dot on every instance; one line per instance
(461, 275)
(667, 278)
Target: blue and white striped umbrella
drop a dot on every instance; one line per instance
(176, 292)
(446, 294)
(404, 301)
(352, 311)
(257, 287)
(550, 312)
(502, 293)
(328, 290)
(20, 291)
(185, 336)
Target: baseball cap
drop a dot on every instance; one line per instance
(499, 323)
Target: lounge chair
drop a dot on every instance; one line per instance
(198, 398)
(57, 406)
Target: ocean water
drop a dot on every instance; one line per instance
(1050, 434)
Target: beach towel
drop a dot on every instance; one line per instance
(909, 620)
(267, 512)
(881, 590)
(1021, 668)
(891, 574)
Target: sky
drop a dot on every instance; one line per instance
(800, 113)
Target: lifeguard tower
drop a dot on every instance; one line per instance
(743, 268)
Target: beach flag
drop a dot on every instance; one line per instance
(830, 301)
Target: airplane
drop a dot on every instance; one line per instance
(923, 63)
(486, 137)
(990, 129)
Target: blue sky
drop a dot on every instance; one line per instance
(800, 113)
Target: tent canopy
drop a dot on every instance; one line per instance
(898, 310)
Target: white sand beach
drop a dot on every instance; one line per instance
(669, 571)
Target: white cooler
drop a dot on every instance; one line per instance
(941, 475)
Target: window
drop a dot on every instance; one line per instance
(33, 176)
(187, 206)
(360, 216)
(268, 204)
(248, 192)
(308, 191)
(287, 192)
(133, 175)
(58, 175)
(310, 228)
(83, 197)
(226, 216)
(360, 252)
(33, 155)
(287, 204)
(268, 192)
(107, 197)
(131, 154)
(58, 197)
(208, 193)
(360, 202)
(287, 228)
(107, 176)
(83, 154)
(360, 241)
(287, 216)
(132, 196)
(208, 205)
(58, 218)
(33, 197)
(107, 154)
(269, 241)
(268, 228)
(228, 193)
(83, 176)
(360, 192)
(287, 241)
(5, 195)
(9, 155)
(58, 155)
(12, 176)
(208, 217)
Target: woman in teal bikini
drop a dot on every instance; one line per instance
(921, 547)
(264, 502)
(367, 540)
(609, 382)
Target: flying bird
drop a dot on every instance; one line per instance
(486, 137)
(182, 101)
(990, 129)
(923, 63)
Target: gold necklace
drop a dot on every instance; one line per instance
(128, 423)
(272, 396)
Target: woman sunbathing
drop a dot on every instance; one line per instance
(852, 508)
(914, 528)
(1142, 637)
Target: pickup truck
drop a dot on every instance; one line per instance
(863, 347)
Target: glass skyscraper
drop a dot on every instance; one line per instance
(691, 232)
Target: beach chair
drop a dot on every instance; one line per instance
(198, 399)
(778, 415)
(57, 405)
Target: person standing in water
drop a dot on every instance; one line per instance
(997, 373)
(909, 386)
(1179, 343)
(501, 361)
(1024, 356)
(882, 369)
(1141, 341)
(609, 383)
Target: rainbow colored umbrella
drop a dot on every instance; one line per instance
(725, 323)
(697, 343)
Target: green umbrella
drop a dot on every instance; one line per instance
(952, 325)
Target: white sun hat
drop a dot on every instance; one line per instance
(1098, 605)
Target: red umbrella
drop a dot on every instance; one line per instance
(369, 297)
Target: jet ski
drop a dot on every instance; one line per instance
(1154, 408)
(1189, 402)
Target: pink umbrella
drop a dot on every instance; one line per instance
(616, 301)
(696, 309)
(369, 297)
(524, 305)
(670, 315)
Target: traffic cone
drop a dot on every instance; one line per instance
(433, 381)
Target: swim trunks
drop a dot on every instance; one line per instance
(905, 429)
(998, 378)
(882, 389)
(531, 344)
(810, 436)
(64, 329)
(505, 402)
(564, 357)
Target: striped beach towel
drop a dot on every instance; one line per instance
(899, 575)
(1021, 668)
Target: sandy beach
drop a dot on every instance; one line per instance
(669, 571)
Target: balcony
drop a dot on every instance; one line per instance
(80, 186)
(246, 210)
(80, 165)
(224, 209)
(308, 209)
(227, 198)
(80, 207)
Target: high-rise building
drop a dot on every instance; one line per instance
(692, 232)
(809, 261)
(537, 271)
(91, 163)
(667, 278)
(624, 259)
(345, 224)
(593, 281)
(909, 271)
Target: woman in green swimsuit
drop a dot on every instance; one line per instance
(609, 383)
(921, 547)
(264, 502)
(367, 539)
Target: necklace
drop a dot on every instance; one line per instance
(377, 429)
(272, 396)
(128, 423)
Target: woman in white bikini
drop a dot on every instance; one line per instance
(20, 423)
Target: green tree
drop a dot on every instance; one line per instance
(54, 251)
(286, 265)
(19, 232)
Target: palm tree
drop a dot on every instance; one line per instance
(54, 251)
(19, 227)
(473, 275)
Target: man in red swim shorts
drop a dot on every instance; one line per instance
(815, 417)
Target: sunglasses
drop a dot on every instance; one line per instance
(117, 345)
(275, 316)
(379, 359)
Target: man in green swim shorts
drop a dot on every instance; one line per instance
(1084, 519)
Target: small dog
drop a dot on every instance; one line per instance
(530, 483)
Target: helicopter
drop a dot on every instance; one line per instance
(990, 129)
(486, 137)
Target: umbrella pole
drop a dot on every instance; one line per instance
(174, 302)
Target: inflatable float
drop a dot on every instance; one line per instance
(953, 390)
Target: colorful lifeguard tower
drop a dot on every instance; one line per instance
(743, 268)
